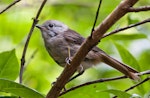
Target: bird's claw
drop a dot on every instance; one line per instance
(53, 83)
(68, 60)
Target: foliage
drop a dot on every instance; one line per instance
(18, 89)
(9, 65)
(40, 71)
(119, 93)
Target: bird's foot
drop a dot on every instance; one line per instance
(68, 60)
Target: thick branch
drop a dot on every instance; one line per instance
(89, 43)
(9, 6)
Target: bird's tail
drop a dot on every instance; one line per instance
(128, 71)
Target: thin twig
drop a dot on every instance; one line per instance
(9, 6)
(132, 87)
(31, 57)
(128, 27)
(103, 80)
(96, 17)
(144, 73)
(142, 8)
(93, 82)
(35, 21)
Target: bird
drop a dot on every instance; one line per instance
(62, 43)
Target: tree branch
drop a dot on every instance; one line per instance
(142, 8)
(132, 87)
(35, 21)
(103, 80)
(88, 44)
(128, 27)
(9, 6)
(97, 13)
(93, 82)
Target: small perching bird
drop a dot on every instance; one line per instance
(62, 42)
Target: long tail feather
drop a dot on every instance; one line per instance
(128, 71)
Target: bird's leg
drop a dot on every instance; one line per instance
(68, 59)
(80, 69)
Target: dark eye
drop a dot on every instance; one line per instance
(51, 25)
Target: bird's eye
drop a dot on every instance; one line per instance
(51, 25)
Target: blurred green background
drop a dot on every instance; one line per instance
(41, 71)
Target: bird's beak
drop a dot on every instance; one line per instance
(39, 26)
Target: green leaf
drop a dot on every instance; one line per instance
(127, 57)
(8, 97)
(9, 66)
(18, 89)
(132, 20)
(147, 95)
(89, 91)
(144, 59)
(119, 93)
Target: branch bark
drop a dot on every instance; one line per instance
(89, 43)
(142, 8)
(128, 27)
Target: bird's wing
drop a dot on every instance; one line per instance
(73, 37)
(77, 39)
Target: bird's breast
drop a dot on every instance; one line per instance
(57, 47)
